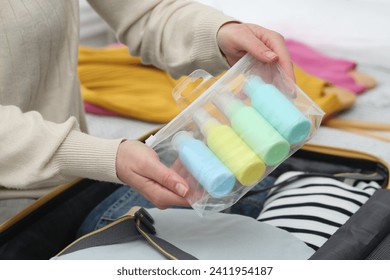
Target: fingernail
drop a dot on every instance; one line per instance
(181, 189)
(270, 54)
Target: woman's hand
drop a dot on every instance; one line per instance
(236, 39)
(139, 166)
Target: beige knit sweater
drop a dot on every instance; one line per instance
(41, 112)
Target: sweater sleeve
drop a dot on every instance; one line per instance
(177, 36)
(38, 153)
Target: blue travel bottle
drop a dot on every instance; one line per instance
(204, 166)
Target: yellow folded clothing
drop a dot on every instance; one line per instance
(114, 80)
(331, 99)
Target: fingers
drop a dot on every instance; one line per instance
(166, 177)
(140, 167)
(160, 196)
(258, 49)
(236, 39)
(159, 184)
(273, 44)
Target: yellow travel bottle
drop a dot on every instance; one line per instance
(246, 166)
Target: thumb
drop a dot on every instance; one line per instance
(167, 178)
(258, 49)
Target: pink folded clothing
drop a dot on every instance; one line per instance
(97, 110)
(116, 45)
(333, 70)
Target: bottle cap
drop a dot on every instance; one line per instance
(204, 121)
(228, 103)
(253, 84)
(180, 138)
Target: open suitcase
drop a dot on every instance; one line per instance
(36, 234)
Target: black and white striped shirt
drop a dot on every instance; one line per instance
(313, 208)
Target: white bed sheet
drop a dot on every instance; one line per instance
(354, 29)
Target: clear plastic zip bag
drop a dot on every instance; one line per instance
(234, 130)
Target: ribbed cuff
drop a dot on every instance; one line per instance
(205, 52)
(86, 156)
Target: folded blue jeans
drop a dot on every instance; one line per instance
(113, 207)
(252, 205)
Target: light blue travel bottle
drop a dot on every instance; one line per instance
(282, 114)
(204, 166)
